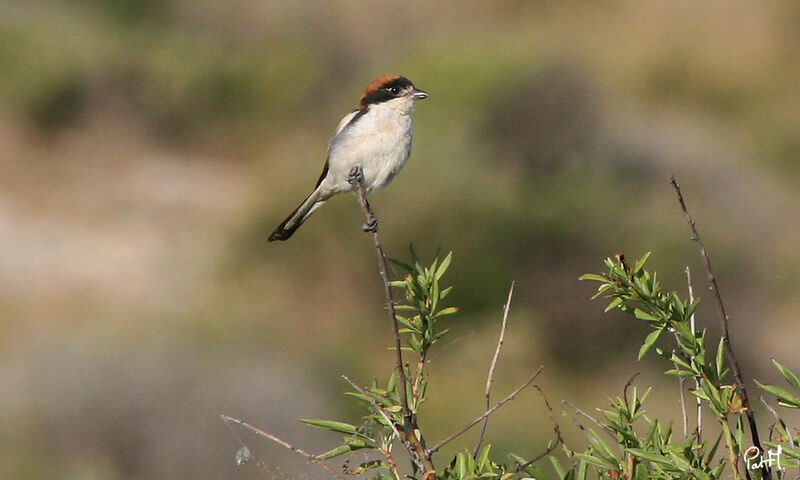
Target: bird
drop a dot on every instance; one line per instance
(373, 141)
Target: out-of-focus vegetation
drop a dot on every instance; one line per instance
(148, 148)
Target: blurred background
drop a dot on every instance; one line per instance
(148, 147)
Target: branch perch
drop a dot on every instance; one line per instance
(724, 319)
(410, 429)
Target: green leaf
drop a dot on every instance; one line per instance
(713, 450)
(602, 447)
(597, 462)
(415, 258)
(582, 467)
(461, 465)
(649, 456)
(648, 342)
(680, 462)
(443, 266)
(446, 311)
(593, 277)
(674, 358)
(716, 472)
(602, 289)
(331, 425)
(408, 324)
(614, 304)
(483, 454)
(720, 358)
(785, 398)
(642, 315)
(432, 269)
(714, 397)
(739, 433)
(789, 450)
(519, 460)
(369, 465)
(470, 460)
(691, 308)
(788, 375)
(557, 466)
(414, 343)
(637, 267)
(678, 373)
(341, 450)
(700, 394)
(679, 307)
(685, 332)
(646, 394)
(359, 396)
(434, 295)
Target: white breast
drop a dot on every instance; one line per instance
(379, 141)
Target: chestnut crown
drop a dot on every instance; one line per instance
(388, 87)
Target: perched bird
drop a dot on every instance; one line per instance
(376, 137)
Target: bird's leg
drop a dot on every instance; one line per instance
(355, 177)
(370, 225)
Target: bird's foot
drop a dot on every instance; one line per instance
(371, 225)
(355, 176)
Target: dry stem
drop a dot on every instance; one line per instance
(696, 379)
(310, 457)
(493, 366)
(556, 428)
(485, 414)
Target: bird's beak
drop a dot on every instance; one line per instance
(419, 94)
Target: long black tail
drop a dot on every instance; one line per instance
(296, 218)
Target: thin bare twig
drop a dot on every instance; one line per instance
(682, 388)
(578, 425)
(778, 419)
(485, 414)
(627, 385)
(410, 429)
(310, 457)
(493, 366)
(692, 326)
(556, 428)
(690, 288)
(724, 319)
(584, 414)
(682, 382)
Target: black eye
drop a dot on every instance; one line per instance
(394, 90)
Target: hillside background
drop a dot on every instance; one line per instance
(147, 149)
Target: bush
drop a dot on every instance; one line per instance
(626, 443)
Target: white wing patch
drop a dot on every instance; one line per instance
(346, 120)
